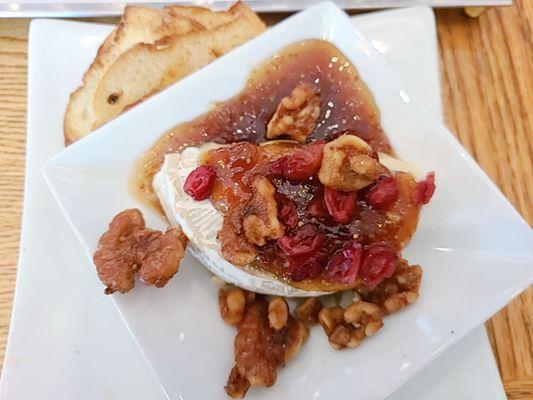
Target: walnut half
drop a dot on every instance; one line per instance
(261, 222)
(232, 302)
(234, 245)
(278, 313)
(261, 349)
(237, 385)
(347, 328)
(249, 225)
(296, 115)
(348, 164)
(308, 310)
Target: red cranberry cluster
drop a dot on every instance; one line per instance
(304, 248)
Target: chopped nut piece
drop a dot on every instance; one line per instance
(398, 291)
(235, 247)
(251, 224)
(348, 164)
(347, 328)
(296, 115)
(262, 221)
(160, 254)
(294, 335)
(345, 336)
(128, 246)
(364, 316)
(330, 317)
(278, 313)
(255, 353)
(250, 296)
(232, 303)
(260, 349)
(237, 385)
(400, 300)
(115, 257)
(307, 312)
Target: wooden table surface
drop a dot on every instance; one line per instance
(487, 81)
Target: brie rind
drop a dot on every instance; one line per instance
(394, 164)
(201, 222)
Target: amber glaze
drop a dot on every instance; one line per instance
(237, 166)
(345, 102)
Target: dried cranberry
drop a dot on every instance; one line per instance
(199, 183)
(277, 168)
(288, 214)
(317, 208)
(306, 241)
(379, 263)
(340, 205)
(383, 193)
(424, 190)
(345, 263)
(305, 163)
(309, 269)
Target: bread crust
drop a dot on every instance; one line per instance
(143, 31)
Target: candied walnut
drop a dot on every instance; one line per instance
(160, 255)
(234, 245)
(308, 310)
(366, 317)
(347, 328)
(260, 349)
(278, 313)
(261, 222)
(396, 292)
(345, 336)
(329, 318)
(128, 246)
(292, 337)
(115, 257)
(232, 302)
(348, 164)
(237, 385)
(255, 353)
(250, 296)
(296, 115)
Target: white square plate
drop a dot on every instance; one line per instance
(470, 241)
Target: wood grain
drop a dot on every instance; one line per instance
(486, 69)
(13, 68)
